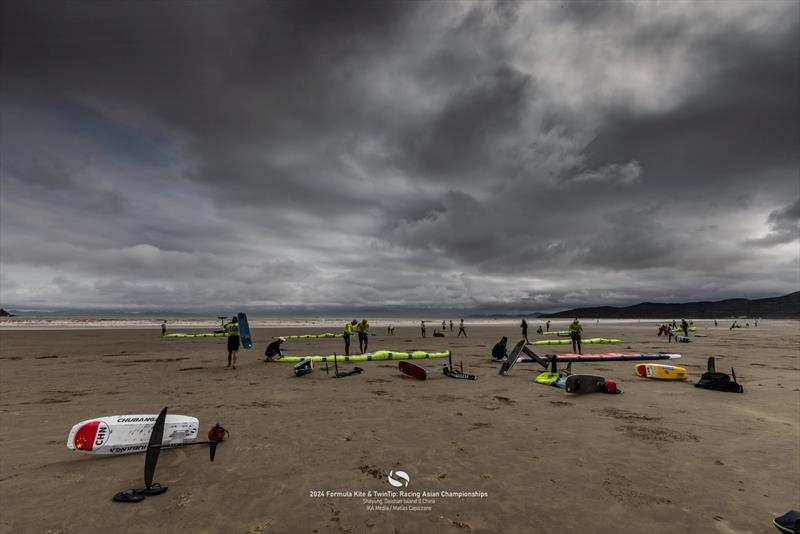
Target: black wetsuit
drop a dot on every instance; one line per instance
(500, 350)
(273, 349)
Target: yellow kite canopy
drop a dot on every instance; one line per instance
(380, 355)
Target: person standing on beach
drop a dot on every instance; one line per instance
(363, 335)
(575, 329)
(164, 327)
(274, 349)
(451, 325)
(461, 329)
(390, 329)
(685, 327)
(232, 328)
(422, 327)
(444, 326)
(348, 332)
(715, 322)
(547, 325)
(524, 326)
(670, 332)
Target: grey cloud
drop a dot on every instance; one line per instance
(784, 225)
(613, 172)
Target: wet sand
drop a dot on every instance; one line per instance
(664, 457)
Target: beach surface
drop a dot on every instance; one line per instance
(312, 454)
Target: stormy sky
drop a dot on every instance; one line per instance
(282, 155)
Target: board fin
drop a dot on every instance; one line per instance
(154, 448)
(512, 358)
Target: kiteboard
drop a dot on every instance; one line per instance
(580, 384)
(512, 358)
(244, 330)
(590, 341)
(412, 370)
(660, 371)
(381, 355)
(125, 434)
(548, 378)
(604, 357)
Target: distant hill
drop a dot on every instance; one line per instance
(785, 307)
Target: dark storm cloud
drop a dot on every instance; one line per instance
(784, 227)
(745, 119)
(434, 154)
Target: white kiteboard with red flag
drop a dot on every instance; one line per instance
(125, 434)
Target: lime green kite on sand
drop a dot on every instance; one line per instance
(560, 333)
(379, 355)
(592, 341)
(201, 334)
(326, 335)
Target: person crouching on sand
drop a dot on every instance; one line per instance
(274, 349)
(500, 350)
(233, 341)
(575, 329)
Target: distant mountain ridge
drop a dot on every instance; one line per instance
(785, 307)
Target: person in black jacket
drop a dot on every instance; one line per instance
(274, 349)
(500, 349)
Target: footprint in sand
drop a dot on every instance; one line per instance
(260, 527)
(460, 525)
(476, 426)
(659, 435)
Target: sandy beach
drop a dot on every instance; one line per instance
(500, 454)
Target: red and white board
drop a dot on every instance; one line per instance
(413, 370)
(125, 434)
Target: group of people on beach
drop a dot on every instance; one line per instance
(362, 329)
(670, 329)
(500, 349)
(424, 331)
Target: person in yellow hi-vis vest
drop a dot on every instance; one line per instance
(575, 329)
(363, 335)
(348, 333)
(232, 329)
(461, 329)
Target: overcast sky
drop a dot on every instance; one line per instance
(527, 156)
